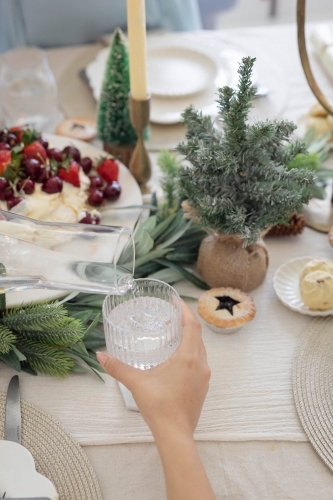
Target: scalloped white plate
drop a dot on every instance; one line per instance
(18, 475)
(286, 286)
(179, 71)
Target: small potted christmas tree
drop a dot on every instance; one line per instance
(236, 184)
(113, 121)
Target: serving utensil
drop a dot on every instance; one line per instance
(13, 411)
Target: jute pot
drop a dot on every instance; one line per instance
(222, 261)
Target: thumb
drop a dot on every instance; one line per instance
(117, 369)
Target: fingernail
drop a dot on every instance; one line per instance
(102, 357)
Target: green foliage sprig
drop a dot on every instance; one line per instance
(52, 338)
(237, 181)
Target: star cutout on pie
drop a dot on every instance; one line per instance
(226, 302)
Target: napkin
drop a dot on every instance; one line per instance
(322, 42)
(128, 398)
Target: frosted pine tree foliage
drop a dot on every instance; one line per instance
(235, 180)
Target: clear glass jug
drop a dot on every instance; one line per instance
(69, 257)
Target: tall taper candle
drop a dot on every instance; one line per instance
(136, 26)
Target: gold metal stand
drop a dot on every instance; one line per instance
(140, 165)
(304, 57)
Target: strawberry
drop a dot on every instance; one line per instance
(35, 150)
(5, 159)
(71, 174)
(108, 169)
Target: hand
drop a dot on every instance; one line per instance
(170, 395)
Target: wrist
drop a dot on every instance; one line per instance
(172, 435)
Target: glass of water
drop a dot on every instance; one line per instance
(143, 327)
(27, 87)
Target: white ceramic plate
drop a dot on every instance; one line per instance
(18, 476)
(286, 285)
(130, 195)
(167, 110)
(179, 71)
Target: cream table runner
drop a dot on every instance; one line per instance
(250, 396)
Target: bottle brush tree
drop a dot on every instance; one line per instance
(236, 184)
(113, 120)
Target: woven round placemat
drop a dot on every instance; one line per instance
(57, 455)
(313, 386)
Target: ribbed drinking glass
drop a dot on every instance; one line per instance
(143, 327)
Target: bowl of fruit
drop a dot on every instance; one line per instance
(57, 179)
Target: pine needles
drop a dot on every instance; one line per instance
(7, 340)
(239, 180)
(42, 337)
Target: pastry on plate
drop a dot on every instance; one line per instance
(81, 128)
(317, 290)
(226, 309)
(325, 265)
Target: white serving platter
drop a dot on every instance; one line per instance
(130, 195)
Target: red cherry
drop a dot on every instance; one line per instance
(86, 164)
(54, 154)
(6, 191)
(71, 151)
(95, 198)
(4, 145)
(42, 140)
(112, 191)
(45, 174)
(89, 218)
(33, 168)
(10, 139)
(12, 202)
(52, 185)
(27, 185)
(96, 182)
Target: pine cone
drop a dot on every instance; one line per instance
(189, 211)
(296, 226)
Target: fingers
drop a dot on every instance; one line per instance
(191, 325)
(117, 369)
(191, 335)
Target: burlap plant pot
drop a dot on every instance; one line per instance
(222, 261)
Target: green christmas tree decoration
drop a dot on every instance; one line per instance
(239, 181)
(113, 121)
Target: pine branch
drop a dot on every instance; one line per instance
(68, 332)
(169, 165)
(46, 359)
(7, 340)
(36, 317)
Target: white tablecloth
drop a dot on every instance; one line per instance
(253, 445)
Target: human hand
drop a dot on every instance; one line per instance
(171, 394)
